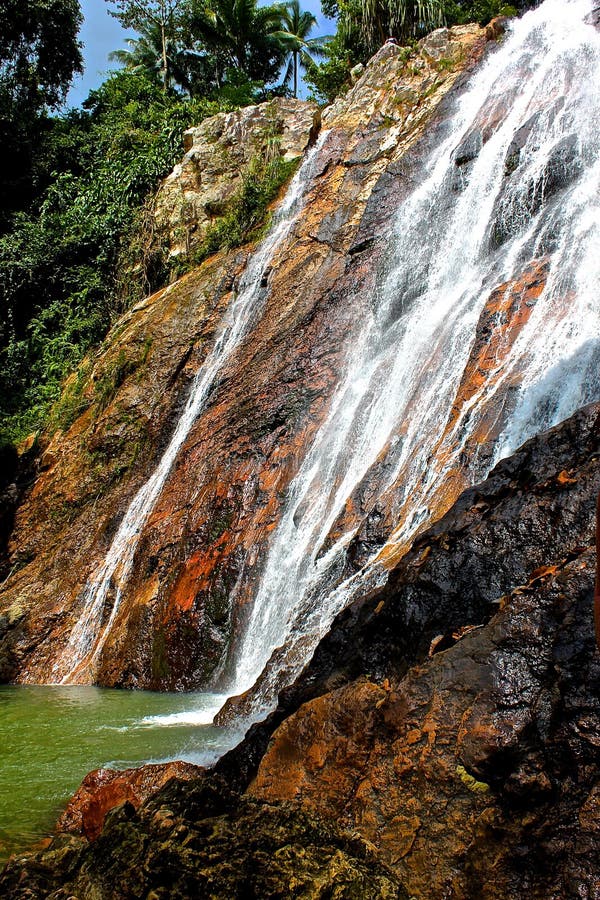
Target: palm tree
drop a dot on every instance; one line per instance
(241, 33)
(403, 19)
(160, 59)
(297, 25)
(143, 54)
(151, 18)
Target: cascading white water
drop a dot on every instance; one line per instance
(534, 105)
(89, 633)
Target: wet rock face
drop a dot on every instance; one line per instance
(451, 721)
(127, 397)
(522, 200)
(200, 840)
(453, 717)
(19, 468)
(482, 757)
(504, 315)
(597, 585)
(536, 508)
(217, 154)
(104, 789)
(197, 561)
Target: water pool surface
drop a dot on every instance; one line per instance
(51, 737)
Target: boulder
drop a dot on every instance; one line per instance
(217, 154)
(201, 840)
(104, 789)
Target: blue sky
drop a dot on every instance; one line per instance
(101, 33)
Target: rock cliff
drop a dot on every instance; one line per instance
(482, 756)
(218, 153)
(206, 533)
(451, 721)
(442, 740)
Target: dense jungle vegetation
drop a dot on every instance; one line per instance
(77, 185)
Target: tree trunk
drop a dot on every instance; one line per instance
(165, 67)
(295, 59)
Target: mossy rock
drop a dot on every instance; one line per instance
(200, 840)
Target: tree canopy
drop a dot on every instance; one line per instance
(241, 35)
(39, 51)
(146, 54)
(78, 258)
(402, 19)
(157, 21)
(294, 37)
(39, 54)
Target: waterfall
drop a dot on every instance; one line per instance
(90, 632)
(512, 187)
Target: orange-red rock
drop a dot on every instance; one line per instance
(104, 789)
(419, 767)
(470, 767)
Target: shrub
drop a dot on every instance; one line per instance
(60, 261)
(247, 217)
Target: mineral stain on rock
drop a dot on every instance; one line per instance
(481, 758)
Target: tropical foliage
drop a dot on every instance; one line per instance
(294, 37)
(61, 262)
(241, 35)
(39, 54)
(462, 11)
(157, 21)
(402, 19)
(146, 55)
(77, 188)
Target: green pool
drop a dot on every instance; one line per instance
(50, 737)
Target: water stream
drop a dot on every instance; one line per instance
(511, 188)
(89, 634)
(514, 182)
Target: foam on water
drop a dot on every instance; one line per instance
(201, 716)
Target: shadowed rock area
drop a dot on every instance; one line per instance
(202, 840)
(451, 721)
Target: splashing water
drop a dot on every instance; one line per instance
(89, 633)
(513, 187)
